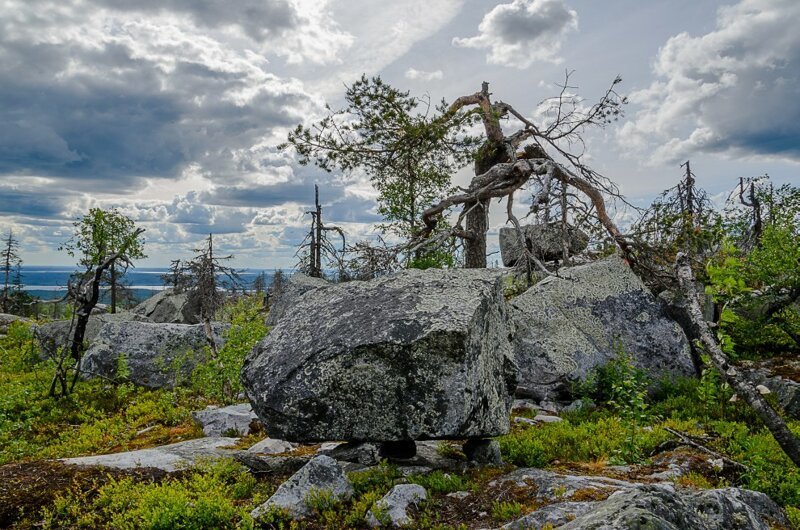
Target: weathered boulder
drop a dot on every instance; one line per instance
(546, 242)
(233, 420)
(156, 355)
(320, 474)
(392, 509)
(170, 307)
(662, 507)
(416, 355)
(282, 301)
(53, 335)
(568, 326)
(6, 320)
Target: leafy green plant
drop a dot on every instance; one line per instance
(506, 510)
(440, 482)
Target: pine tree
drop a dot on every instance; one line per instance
(10, 261)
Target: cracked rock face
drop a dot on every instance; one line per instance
(412, 356)
(156, 355)
(567, 327)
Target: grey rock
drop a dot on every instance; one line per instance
(53, 335)
(6, 320)
(233, 420)
(363, 453)
(392, 509)
(786, 390)
(156, 355)
(483, 451)
(546, 242)
(546, 418)
(321, 473)
(662, 507)
(282, 302)
(460, 495)
(168, 457)
(552, 514)
(569, 326)
(271, 446)
(170, 307)
(411, 356)
(555, 487)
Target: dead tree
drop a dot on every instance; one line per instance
(85, 292)
(507, 163)
(317, 249)
(702, 333)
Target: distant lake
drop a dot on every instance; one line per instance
(49, 282)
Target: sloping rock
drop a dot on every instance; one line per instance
(320, 474)
(168, 457)
(552, 486)
(546, 242)
(416, 355)
(170, 307)
(218, 421)
(568, 326)
(53, 335)
(282, 302)
(6, 320)
(156, 355)
(392, 509)
(553, 515)
(662, 507)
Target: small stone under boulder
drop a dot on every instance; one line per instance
(413, 356)
(233, 420)
(321, 475)
(546, 242)
(156, 355)
(568, 326)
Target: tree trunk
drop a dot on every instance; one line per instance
(700, 330)
(477, 226)
(113, 289)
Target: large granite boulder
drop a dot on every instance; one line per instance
(566, 327)
(170, 307)
(284, 300)
(416, 355)
(53, 335)
(546, 242)
(156, 355)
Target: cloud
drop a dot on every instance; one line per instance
(733, 91)
(523, 32)
(422, 75)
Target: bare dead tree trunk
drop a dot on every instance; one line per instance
(700, 330)
(477, 223)
(113, 272)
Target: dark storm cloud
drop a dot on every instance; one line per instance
(30, 203)
(260, 19)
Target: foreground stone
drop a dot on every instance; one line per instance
(156, 355)
(233, 420)
(662, 507)
(553, 515)
(169, 307)
(392, 509)
(168, 457)
(271, 446)
(567, 327)
(321, 475)
(416, 355)
(53, 335)
(546, 242)
(284, 301)
(6, 320)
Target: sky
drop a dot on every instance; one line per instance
(172, 110)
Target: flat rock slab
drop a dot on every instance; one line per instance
(167, 457)
(553, 515)
(156, 355)
(413, 356)
(233, 420)
(567, 327)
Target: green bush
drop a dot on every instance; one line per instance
(441, 482)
